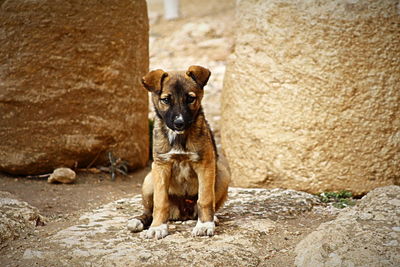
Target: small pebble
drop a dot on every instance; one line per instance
(62, 175)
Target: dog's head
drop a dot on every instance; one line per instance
(177, 95)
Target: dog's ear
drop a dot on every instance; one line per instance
(153, 80)
(199, 74)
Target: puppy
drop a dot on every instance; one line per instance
(186, 181)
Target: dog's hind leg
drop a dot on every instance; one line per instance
(221, 185)
(221, 189)
(143, 221)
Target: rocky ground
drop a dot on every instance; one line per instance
(84, 223)
(257, 227)
(366, 235)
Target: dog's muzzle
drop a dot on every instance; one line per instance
(179, 124)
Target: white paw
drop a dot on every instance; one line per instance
(135, 225)
(204, 229)
(157, 232)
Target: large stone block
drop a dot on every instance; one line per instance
(69, 83)
(311, 97)
(366, 235)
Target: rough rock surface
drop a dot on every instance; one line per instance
(17, 218)
(101, 237)
(311, 97)
(69, 83)
(366, 235)
(62, 175)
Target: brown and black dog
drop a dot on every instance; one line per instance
(186, 181)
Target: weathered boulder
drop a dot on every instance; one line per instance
(69, 83)
(366, 235)
(17, 218)
(311, 97)
(101, 236)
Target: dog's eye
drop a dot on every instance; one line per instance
(166, 100)
(190, 99)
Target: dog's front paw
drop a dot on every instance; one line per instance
(156, 232)
(135, 225)
(204, 229)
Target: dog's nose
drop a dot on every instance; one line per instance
(179, 123)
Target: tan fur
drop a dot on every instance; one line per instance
(179, 174)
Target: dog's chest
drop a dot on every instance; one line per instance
(183, 179)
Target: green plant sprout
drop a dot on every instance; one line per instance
(340, 200)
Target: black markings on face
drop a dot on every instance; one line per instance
(178, 103)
